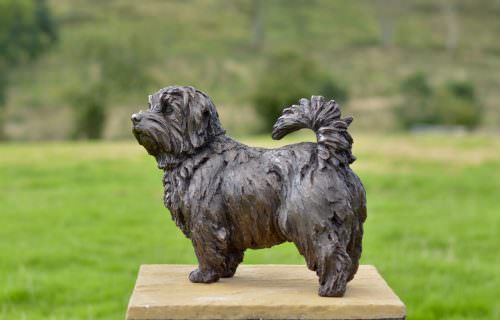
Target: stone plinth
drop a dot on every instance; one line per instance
(259, 292)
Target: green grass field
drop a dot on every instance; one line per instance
(77, 220)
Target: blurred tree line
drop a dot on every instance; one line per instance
(26, 31)
(269, 53)
(452, 104)
(286, 78)
(111, 68)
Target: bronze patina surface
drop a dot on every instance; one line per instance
(227, 197)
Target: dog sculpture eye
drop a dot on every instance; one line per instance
(167, 109)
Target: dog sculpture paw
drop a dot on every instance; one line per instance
(198, 276)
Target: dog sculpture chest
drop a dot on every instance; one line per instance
(228, 197)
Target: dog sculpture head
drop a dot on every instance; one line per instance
(179, 121)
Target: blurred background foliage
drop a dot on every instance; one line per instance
(26, 30)
(286, 78)
(98, 60)
(453, 104)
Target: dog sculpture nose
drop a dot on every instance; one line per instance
(136, 118)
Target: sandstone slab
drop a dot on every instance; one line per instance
(259, 292)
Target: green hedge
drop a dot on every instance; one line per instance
(452, 104)
(288, 77)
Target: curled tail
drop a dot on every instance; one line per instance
(323, 117)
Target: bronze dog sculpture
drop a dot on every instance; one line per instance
(227, 197)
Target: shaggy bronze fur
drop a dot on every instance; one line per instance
(228, 197)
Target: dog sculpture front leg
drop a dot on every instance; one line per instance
(211, 250)
(233, 259)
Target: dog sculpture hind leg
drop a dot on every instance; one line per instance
(323, 214)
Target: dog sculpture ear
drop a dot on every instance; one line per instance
(198, 120)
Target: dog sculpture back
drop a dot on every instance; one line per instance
(228, 197)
